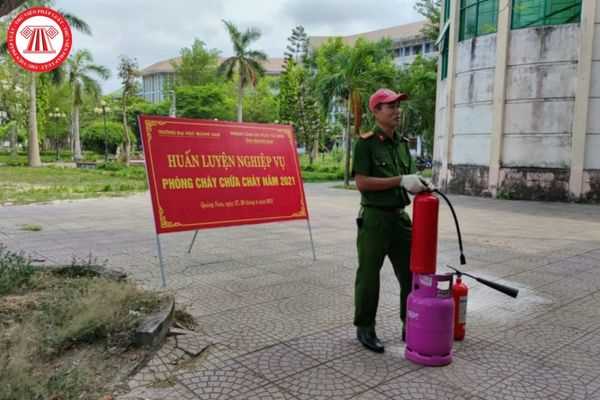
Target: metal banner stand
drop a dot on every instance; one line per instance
(312, 244)
(193, 240)
(162, 264)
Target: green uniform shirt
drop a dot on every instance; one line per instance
(378, 156)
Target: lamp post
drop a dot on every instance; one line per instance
(173, 110)
(103, 109)
(56, 116)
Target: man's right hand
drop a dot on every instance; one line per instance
(414, 183)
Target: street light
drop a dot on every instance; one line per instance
(103, 109)
(57, 115)
(173, 110)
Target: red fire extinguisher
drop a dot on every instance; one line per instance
(460, 292)
(423, 254)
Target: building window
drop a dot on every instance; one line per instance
(477, 17)
(444, 40)
(529, 13)
(417, 49)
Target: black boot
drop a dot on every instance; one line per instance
(368, 338)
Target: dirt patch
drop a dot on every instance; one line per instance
(67, 338)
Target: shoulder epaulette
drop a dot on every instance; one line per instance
(366, 135)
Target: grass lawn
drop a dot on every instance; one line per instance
(23, 185)
(47, 157)
(327, 167)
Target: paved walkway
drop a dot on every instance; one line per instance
(276, 325)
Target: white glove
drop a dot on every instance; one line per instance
(414, 183)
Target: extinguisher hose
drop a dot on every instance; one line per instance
(463, 260)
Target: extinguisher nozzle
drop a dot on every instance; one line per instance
(463, 260)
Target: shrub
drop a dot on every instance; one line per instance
(15, 271)
(92, 136)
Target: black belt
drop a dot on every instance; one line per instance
(395, 210)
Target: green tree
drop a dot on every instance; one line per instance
(93, 136)
(295, 54)
(214, 100)
(289, 87)
(310, 124)
(13, 99)
(198, 65)
(298, 101)
(139, 106)
(418, 113)
(128, 72)
(352, 74)
(245, 62)
(288, 94)
(430, 9)
(261, 104)
(297, 48)
(80, 71)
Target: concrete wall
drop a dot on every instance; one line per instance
(441, 113)
(591, 175)
(523, 141)
(540, 96)
(475, 68)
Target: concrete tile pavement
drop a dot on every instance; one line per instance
(280, 325)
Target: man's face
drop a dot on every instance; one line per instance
(388, 114)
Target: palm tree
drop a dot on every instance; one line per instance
(353, 74)
(246, 62)
(80, 66)
(34, 159)
(128, 72)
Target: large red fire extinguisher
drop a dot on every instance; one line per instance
(460, 292)
(423, 254)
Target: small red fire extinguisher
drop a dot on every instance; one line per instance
(460, 292)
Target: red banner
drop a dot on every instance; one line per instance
(204, 174)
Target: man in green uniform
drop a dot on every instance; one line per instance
(383, 170)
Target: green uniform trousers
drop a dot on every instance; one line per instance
(381, 233)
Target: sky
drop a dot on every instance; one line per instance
(152, 30)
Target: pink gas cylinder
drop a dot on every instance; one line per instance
(430, 320)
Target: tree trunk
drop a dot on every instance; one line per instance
(240, 101)
(315, 149)
(33, 147)
(347, 146)
(76, 140)
(127, 142)
(13, 140)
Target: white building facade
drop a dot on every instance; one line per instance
(408, 41)
(157, 79)
(518, 99)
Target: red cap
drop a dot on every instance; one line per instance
(382, 96)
